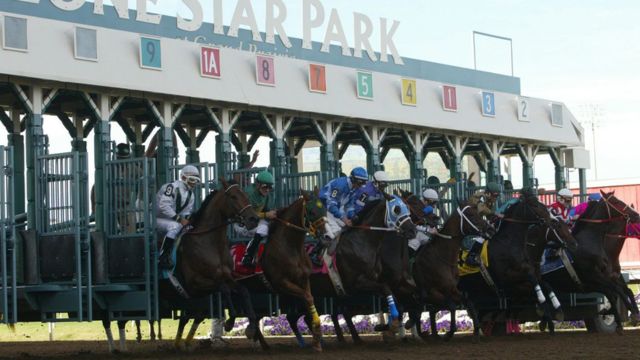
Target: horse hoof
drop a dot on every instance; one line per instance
(317, 346)
(388, 336)
(542, 326)
(229, 324)
(381, 327)
(251, 331)
(619, 330)
(409, 324)
(559, 315)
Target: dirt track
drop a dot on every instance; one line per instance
(564, 345)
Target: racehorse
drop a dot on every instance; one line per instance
(594, 270)
(509, 267)
(204, 261)
(284, 260)
(359, 260)
(539, 237)
(436, 266)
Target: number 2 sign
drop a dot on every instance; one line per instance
(265, 71)
(150, 53)
(317, 78)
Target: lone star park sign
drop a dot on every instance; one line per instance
(314, 16)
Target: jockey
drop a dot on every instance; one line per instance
(562, 206)
(259, 194)
(576, 212)
(174, 205)
(425, 232)
(485, 202)
(335, 196)
(373, 190)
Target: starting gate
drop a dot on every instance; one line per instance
(60, 280)
(208, 173)
(126, 280)
(8, 304)
(293, 183)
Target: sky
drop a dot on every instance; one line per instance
(582, 53)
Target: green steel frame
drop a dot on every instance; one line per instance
(8, 296)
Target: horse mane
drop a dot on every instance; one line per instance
(196, 217)
(363, 214)
(280, 212)
(588, 214)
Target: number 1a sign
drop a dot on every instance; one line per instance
(317, 78)
(210, 62)
(265, 71)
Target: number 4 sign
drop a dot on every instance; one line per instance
(364, 85)
(265, 71)
(449, 99)
(317, 78)
(409, 95)
(210, 62)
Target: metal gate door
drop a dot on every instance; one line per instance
(8, 305)
(130, 290)
(62, 235)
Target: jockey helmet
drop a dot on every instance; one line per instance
(380, 179)
(359, 173)
(430, 194)
(265, 177)
(190, 175)
(565, 196)
(493, 188)
(123, 151)
(595, 197)
(433, 180)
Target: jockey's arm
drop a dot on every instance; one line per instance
(166, 205)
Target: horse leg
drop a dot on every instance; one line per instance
(557, 313)
(336, 326)
(612, 296)
(348, 318)
(453, 327)
(138, 332)
(292, 318)
(312, 317)
(182, 322)
(227, 298)
(159, 329)
(107, 329)
(122, 334)
(253, 330)
(152, 331)
(197, 320)
(473, 313)
(434, 325)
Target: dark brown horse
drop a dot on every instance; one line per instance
(436, 266)
(203, 257)
(608, 216)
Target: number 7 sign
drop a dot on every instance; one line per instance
(317, 78)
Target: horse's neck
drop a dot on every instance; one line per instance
(452, 228)
(294, 237)
(536, 242)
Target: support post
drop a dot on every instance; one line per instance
(16, 140)
(582, 178)
(527, 155)
(36, 146)
(558, 161)
(193, 155)
(492, 150)
(102, 138)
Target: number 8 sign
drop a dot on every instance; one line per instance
(265, 71)
(150, 53)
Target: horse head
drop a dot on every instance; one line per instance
(616, 207)
(558, 232)
(398, 216)
(235, 204)
(314, 213)
(415, 209)
(471, 223)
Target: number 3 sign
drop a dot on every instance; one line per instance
(265, 71)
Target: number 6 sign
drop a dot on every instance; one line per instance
(265, 71)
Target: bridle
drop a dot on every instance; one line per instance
(396, 225)
(312, 227)
(623, 216)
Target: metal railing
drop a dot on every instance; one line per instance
(208, 175)
(8, 300)
(293, 183)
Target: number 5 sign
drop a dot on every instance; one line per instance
(488, 104)
(150, 53)
(265, 71)
(364, 85)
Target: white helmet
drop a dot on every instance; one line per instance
(191, 174)
(381, 176)
(430, 194)
(565, 193)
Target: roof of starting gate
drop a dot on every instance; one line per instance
(482, 102)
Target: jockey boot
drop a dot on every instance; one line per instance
(250, 251)
(473, 258)
(165, 254)
(316, 254)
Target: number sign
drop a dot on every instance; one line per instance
(409, 92)
(265, 71)
(210, 62)
(449, 98)
(488, 104)
(523, 109)
(150, 53)
(364, 85)
(317, 78)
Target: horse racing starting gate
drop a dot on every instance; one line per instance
(8, 302)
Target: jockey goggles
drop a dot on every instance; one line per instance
(192, 180)
(266, 186)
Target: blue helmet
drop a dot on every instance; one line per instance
(595, 197)
(360, 173)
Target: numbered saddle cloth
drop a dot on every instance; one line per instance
(551, 260)
(465, 269)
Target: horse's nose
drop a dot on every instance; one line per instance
(252, 222)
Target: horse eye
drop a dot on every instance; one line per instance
(397, 210)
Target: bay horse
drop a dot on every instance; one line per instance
(608, 216)
(509, 266)
(204, 260)
(436, 267)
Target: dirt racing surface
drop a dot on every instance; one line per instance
(563, 345)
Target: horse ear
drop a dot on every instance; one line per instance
(224, 182)
(604, 195)
(387, 196)
(305, 195)
(316, 191)
(404, 193)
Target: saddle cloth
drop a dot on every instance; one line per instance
(551, 261)
(240, 271)
(465, 269)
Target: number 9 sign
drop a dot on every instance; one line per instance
(265, 71)
(150, 53)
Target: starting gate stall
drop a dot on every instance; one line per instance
(58, 256)
(293, 183)
(126, 277)
(8, 299)
(208, 183)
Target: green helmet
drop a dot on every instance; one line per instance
(265, 177)
(493, 188)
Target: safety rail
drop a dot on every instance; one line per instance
(8, 296)
(293, 183)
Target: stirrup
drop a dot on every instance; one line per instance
(247, 261)
(165, 262)
(473, 261)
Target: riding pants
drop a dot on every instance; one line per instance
(262, 229)
(420, 239)
(167, 227)
(333, 226)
